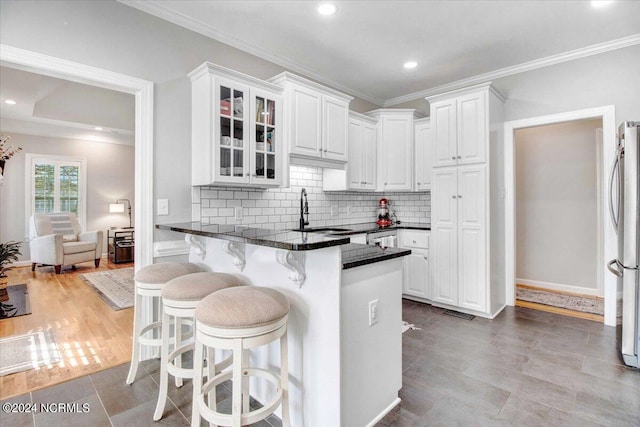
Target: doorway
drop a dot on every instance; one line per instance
(558, 221)
(143, 188)
(143, 91)
(606, 238)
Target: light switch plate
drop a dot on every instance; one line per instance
(163, 206)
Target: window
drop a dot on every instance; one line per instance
(56, 184)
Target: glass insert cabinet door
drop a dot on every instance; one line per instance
(232, 132)
(265, 138)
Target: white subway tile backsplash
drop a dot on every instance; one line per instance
(279, 208)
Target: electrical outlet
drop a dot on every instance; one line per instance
(334, 210)
(373, 312)
(163, 206)
(238, 212)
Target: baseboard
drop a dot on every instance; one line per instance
(21, 263)
(559, 287)
(382, 414)
(27, 263)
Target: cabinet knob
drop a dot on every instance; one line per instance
(419, 183)
(459, 157)
(453, 196)
(459, 196)
(453, 157)
(385, 183)
(325, 150)
(426, 257)
(363, 182)
(413, 241)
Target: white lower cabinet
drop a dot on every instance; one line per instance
(417, 280)
(459, 226)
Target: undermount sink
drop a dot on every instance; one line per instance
(320, 229)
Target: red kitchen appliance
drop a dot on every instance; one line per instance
(384, 219)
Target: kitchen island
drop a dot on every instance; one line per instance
(345, 340)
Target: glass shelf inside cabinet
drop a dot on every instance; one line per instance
(231, 132)
(265, 135)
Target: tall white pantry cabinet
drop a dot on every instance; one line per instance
(467, 219)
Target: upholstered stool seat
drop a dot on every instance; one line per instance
(149, 281)
(179, 299)
(239, 319)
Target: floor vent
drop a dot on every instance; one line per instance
(464, 316)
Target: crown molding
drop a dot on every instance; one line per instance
(164, 12)
(521, 68)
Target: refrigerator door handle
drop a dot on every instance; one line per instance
(614, 216)
(615, 271)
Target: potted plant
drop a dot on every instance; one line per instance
(8, 254)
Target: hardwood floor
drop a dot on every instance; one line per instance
(90, 335)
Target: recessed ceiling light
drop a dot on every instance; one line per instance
(599, 4)
(411, 64)
(97, 128)
(326, 9)
(10, 102)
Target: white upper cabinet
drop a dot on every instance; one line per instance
(306, 133)
(237, 129)
(316, 121)
(395, 149)
(361, 169)
(461, 126)
(424, 154)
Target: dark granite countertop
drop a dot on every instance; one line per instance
(372, 227)
(356, 255)
(280, 239)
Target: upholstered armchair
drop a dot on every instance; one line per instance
(57, 239)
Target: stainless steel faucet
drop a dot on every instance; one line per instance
(304, 209)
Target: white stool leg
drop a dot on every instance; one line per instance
(137, 326)
(178, 343)
(197, 383)
(245, 382)
(211, 372)
(284, 379)
(236, 397)
(164, 375)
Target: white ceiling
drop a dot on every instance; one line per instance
(48, 106)
(361, 48)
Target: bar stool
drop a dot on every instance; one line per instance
(239, 319)
(179, 299)
(148, 282)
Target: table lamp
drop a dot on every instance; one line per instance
(118, 207)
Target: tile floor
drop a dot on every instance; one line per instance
(524, 368)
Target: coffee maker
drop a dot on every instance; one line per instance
(384, 218)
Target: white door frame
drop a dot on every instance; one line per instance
(143, 90)
(607, 114)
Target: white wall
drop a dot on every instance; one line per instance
(556, 204)
(110, 176)
(280, 207)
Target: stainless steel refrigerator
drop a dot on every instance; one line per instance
(624, 200)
